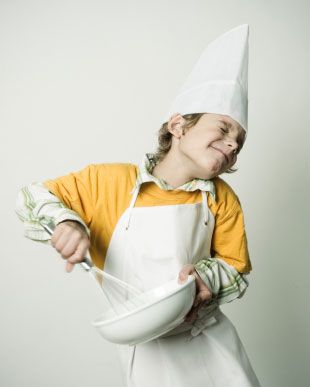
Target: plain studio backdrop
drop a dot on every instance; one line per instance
(89, 82)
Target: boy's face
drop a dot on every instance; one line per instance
(210, 147)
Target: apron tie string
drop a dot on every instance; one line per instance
(132, 203)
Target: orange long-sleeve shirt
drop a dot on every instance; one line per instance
(100, 193)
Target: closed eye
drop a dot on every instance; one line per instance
(224, 130)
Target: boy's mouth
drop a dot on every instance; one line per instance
(226, 158)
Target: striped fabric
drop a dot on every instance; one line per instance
(36, 205)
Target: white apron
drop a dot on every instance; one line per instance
(149, 246)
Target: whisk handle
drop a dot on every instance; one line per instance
(86, 264)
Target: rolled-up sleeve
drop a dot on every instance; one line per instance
(226, 271)
(69, 197)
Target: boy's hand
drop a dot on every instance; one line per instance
(203, 293)
(71, 240)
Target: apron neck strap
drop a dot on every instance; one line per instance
(132, 203)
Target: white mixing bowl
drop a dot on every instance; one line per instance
(160, 310)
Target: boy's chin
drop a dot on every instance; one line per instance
(210, 175)
(212, 170)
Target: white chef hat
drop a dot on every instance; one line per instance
(218, 82)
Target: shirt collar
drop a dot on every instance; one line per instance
(149, 161)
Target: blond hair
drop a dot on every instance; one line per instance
(165, 137)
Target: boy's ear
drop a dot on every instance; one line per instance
(175, 124)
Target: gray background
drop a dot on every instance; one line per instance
(89, 82)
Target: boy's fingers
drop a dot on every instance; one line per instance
(59, 241)
(59, 235)
(70, 247)
(79, 254)
(69, 266)
(203, 292)
(185, 271)
(205, 295)
(77, 257)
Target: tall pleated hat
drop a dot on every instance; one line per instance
(218, 82)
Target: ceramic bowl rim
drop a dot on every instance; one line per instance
(190, 280)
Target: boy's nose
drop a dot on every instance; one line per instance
(232, 147)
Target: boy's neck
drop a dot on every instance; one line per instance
(171, 170)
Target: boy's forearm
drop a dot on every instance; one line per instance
(36, 204)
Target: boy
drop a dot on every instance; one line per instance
(145, 224)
